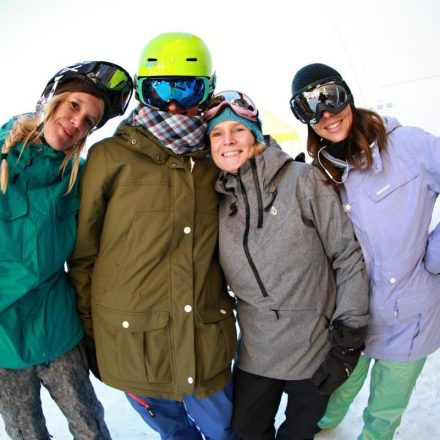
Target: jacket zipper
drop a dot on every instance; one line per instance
(245, 239)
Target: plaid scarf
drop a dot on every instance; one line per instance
(181, 134)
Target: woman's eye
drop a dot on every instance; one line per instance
(90, 122)
(74, 105)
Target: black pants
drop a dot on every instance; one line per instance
(256, 403)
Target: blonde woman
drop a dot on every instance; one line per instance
(40, 331)
(290, 256)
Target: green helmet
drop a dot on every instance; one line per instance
(175, 54)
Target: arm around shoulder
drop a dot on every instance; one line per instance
(342, 249)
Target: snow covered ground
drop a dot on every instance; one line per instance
(421, 420)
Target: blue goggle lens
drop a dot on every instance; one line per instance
(186, 92)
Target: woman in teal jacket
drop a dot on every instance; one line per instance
(40, 331)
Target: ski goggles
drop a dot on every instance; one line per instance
(114, 82)
(186, 91)
(309, 105)
(240, 104)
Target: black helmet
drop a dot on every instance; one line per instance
(103, 79)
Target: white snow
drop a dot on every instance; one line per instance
(419, 421)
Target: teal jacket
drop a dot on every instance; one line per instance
(38, 318)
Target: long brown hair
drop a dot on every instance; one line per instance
(366, 127)
(27, 129)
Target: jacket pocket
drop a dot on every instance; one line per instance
(13, 214)
(134, 347)
(414, 305)
(216, 341)
(390, 185)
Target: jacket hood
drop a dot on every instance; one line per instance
(391, 123)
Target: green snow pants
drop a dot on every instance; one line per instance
(391, 385)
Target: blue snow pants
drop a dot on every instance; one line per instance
(189, 419)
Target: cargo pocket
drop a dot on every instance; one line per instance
(216, 341)
(13, 214)
(134, 347)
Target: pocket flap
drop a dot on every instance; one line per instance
(134, 322)
(213, 315)
(13, 206)
(386, 187)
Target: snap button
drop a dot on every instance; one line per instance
(347, 207)
(393, 280)
(223, 312)
(186, 229)
(190, 380)
(125, 324)
(187, 308)
(134, 141)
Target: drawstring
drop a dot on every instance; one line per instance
(245, 239)
(143, 403)
(328, 172)
(258, 191)
(274, 196)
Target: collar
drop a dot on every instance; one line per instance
(377, 161)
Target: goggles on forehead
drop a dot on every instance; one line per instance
(241, 105)
(186, 92)
(112, 80)
(308, 105)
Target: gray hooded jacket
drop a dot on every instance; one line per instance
(289, 254)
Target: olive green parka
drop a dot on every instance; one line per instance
(150, 290)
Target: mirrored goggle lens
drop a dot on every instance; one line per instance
(309, 106)
(110, 77)
(239, 102)
(185, 92)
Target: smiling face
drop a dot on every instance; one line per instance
(334, 128)
(232, 144)
(72, 120)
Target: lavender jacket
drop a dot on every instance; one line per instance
(390, 206)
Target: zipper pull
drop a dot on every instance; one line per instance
(143, 403)
(191, 161)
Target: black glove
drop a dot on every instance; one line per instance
(91, 356)
(347, 345)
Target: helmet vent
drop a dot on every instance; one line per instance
(191, 59)
(152, 59)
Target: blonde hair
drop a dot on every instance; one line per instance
(29, 128)
(259, 148)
